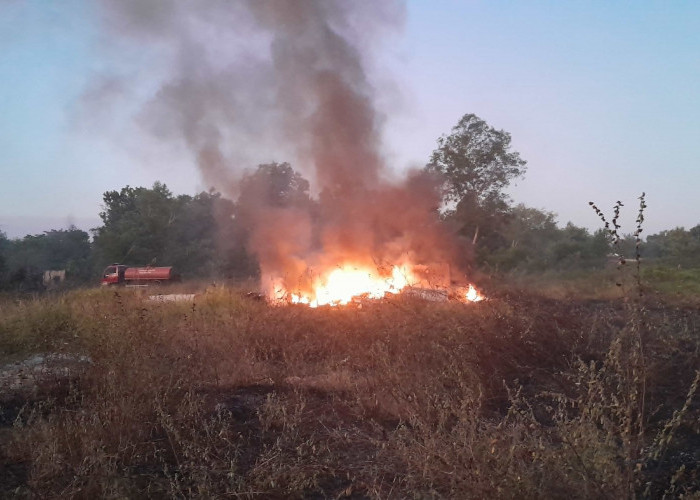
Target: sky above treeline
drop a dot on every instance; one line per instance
(601, 98)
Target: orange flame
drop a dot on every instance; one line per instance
(346, 283)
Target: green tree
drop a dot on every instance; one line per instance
(695, 233)
(530, 227)
(27, 258)
(198, 235)
(481, 221)
(70, 250)
(234, 261)
(675, 246)
(535, 243)
(136, 223)
(4, 248)
(189, 239)
(577, 248)
(476, 164)
(476, 160)
(202, 236)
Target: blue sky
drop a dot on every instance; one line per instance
(601, 98)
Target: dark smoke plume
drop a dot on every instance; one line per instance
(285, 77)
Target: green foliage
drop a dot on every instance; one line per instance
(233, 260)
(672, 281)
(23, 261)
(475, 159)
(201, 236)
(190, 240)
(482, 222)
(5, 245)
(197, 235)
(530, 241)
(675, 247)
(476, 165)
(136, 224)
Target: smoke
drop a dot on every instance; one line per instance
(238, 80)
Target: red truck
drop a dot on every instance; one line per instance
(118, 274)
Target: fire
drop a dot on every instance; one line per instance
(473, 295)
(343, 284)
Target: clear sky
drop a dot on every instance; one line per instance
(601, 98)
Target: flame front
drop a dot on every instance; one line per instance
(346, 283)
(343, 284)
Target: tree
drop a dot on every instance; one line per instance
(205, 238)
(189, 238)
(70, 250)
(475, 160)
(273, 199)
(675, 246)
(233, 258)
(695, 233)
(4, 249)
(271, 186)
(530, 228)
(274, 185)
(198, 235)
(27, 258)
(577, 248)
(534, 243)
(476, 164)
(136, 222)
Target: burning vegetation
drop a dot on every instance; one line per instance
(346, 284)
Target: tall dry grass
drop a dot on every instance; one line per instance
(520, 396)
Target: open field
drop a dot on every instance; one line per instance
(528, 395)
(660, 283)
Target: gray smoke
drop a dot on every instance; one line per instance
(287, 78)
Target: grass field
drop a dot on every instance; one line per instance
(536, 393)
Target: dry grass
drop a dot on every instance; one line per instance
(518, 397)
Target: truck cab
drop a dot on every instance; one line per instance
(113, 275)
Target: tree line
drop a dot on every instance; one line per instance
(206, 235)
